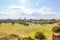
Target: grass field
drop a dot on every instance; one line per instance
(25, 31)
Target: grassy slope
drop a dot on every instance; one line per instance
(27, 30)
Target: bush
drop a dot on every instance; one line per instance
(40, 36)
(35, 23)
(12, 23)
(50, 22)
(56, 29)
(19, 38)
(28, 38)
(58, 23)
(26, 24)
(0, 22)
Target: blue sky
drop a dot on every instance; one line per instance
(31, 9)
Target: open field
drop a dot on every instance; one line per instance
(25, 31)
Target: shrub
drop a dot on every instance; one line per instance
(40, 36)
(0, 22)
(28, 38)
(19, 38)
(50, 23)
(26, 24)
(35, 23)
(12, 23)
(56, 29)
(58, 23)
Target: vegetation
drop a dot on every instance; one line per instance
(40, 36)
(56, 29)
(21, 27)
(28, 38)
(24, 23)
(12, 23)
(58, 23)
(0, 23)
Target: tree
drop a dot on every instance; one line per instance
(56, 29)
(12, 23)
(26, 24)
(50, 22)
(40, 36)
(0, 23)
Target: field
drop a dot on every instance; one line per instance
(25, 31)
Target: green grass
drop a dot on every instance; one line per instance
(25, 31)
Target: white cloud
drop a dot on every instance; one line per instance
(42, 11)
(15, 11)
(25, 10)
(22, 9)
(45, 10)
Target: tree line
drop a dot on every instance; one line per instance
(27, 21)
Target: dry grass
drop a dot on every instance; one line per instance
(25, 31)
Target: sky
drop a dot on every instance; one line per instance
(30, 9)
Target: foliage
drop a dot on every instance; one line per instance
(40, 36)
(26, 38)
(12, 23)
(19, 38)
(8, 28)
(58, 23)
(0, 22)
(56, 29)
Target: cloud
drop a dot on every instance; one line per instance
(44, 11)
(21, 9)
(25, 10)
(16, 12)
(28, 9)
